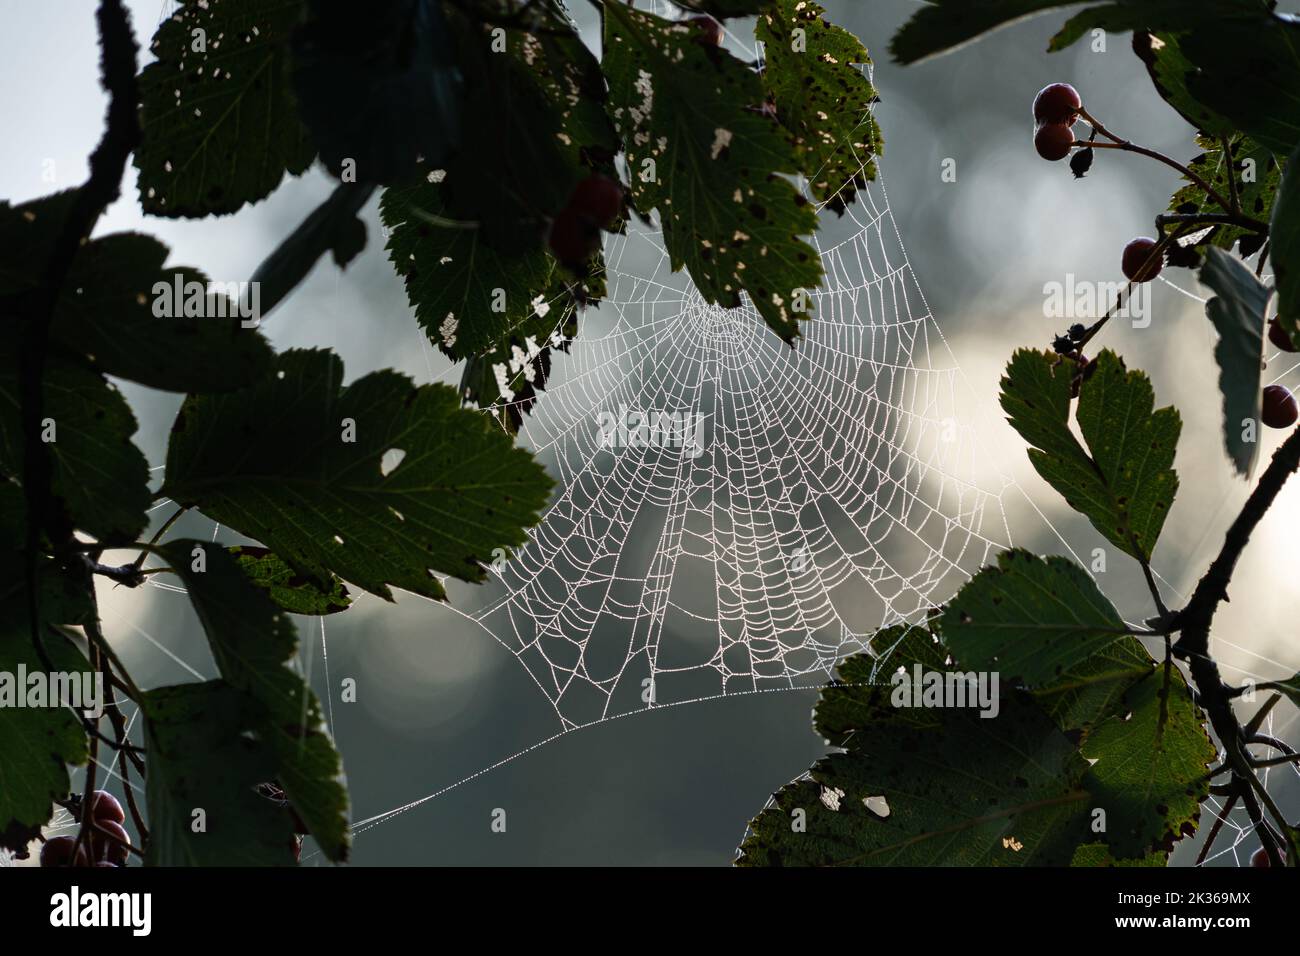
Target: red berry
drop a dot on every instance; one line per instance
(106, 849)
(710, 30)
(598, 198)
(1057, 103)
(1053, 141)
(573, 238)
(57, 851)
(1278, 408)
(104, 806)
(1260, 858)
(1139, 262)
(1277, 335)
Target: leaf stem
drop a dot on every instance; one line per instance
(1130, 147)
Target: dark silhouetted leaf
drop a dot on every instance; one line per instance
(205, 755)
(1238, 313)
(1284, 248)
(382, 90)
(252, 640)
(218, 120)
(100, 478)
(332, 227)
(36, 743)
(274, 463)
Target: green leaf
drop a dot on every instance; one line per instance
(218, 120)
(509, 378)
(1124, 482)
(107, 312)
(527, 116)
(65, 590)
(1137, 15)
(1255, 195)
(1238, 313)
(1150, 764)
(1031, 619)
(36, 743)
(381, 91)
(1089, 692)
(1169, 70)
(927, 786)
(946, 24)
(1284, 247)
(204, 755)
(100, 478)
(288, 589)
(822, 97)
(702, 154)
(28, 232)
(105, 315)
(251, 641)
(1248, 70)
(274, 462)
(453, 273)
(1098, 854)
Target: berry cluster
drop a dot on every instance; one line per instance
(575, 232)
(108, 838)
(1056, 108)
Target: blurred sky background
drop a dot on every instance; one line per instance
(440, 702)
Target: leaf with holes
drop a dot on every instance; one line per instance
(288, 589)
(296, 463)
(467, 294)
(1238, 313)
(700, 152)
(927, 786)
(252, 641)
(1150, 764)
(822, 97)
(1124, 482)
(218, 122)
(1031, 619)
(527, 126)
